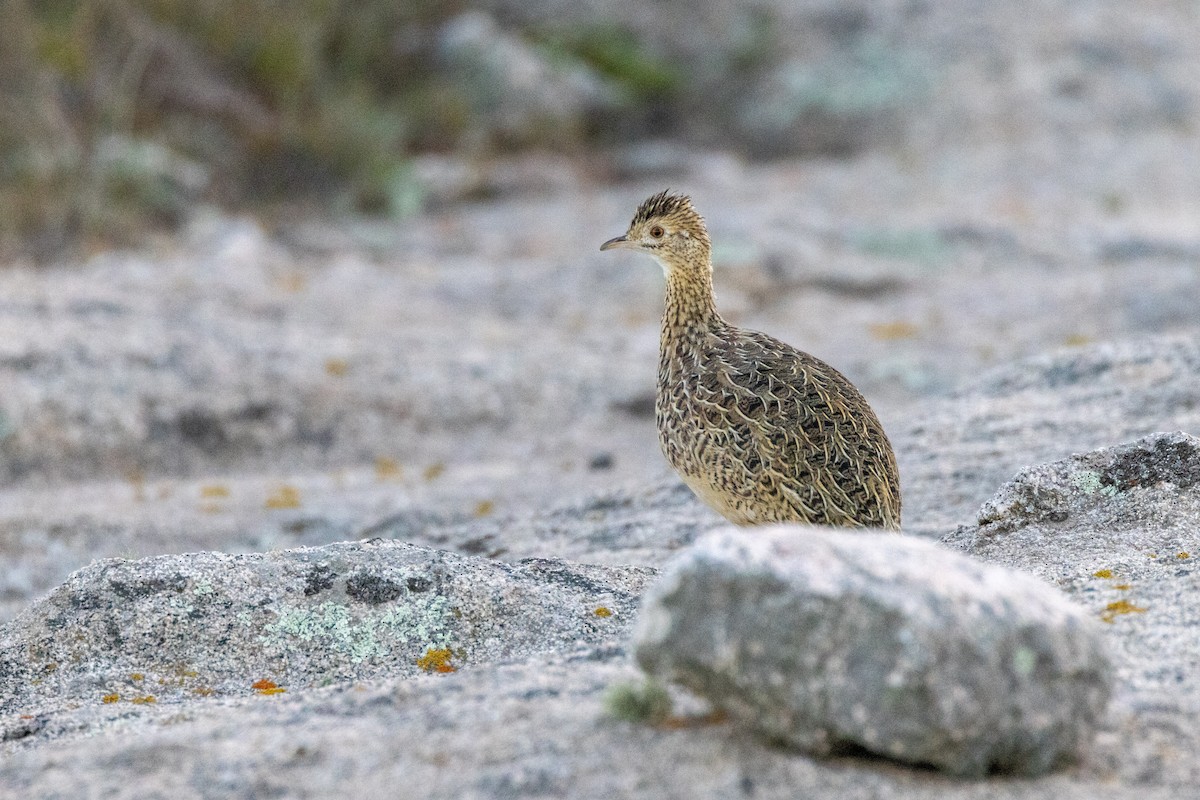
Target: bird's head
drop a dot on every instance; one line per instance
(667, 227)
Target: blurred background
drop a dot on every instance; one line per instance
(121, 116)
(272, 271)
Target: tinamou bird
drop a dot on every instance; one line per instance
(759, 430)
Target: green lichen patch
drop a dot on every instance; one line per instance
(363, 635)
(1088, 481)
(1024, 660)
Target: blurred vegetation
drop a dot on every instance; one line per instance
(122, 115)
(116, 115)
(119, 113)
(616, 54)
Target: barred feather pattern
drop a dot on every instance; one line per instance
(765, 433)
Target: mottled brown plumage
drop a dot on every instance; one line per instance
(761, 431)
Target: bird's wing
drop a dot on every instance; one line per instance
(819, 443)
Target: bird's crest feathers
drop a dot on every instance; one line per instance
(676, 209)
(663, 204)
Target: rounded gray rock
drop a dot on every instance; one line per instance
(830, 641)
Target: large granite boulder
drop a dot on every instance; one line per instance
(826, 639)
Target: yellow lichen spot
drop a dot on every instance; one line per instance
(1102, 573)
(1124, 587)
(110, 698)
(1183, 554)
(603, 611)
(337, 367)
(434, 471)
(136, 677)
(1114, 610)
(203, 691)
(388, 469)
(890, 331)
(437, 659)
(284, 497)
(484, 507)
(1152, 555)
(214, 490)
(267, 687)
(1077, 340)
(292, 282)
(137, 479)
(144, 700)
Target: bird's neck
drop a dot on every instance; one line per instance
(690, 308)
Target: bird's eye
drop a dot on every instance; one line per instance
(657, 232)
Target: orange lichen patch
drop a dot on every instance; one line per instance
(110, 698)
(265, 686)
(337, 367)
(1102, 573)
(203, 691)
(603, 611)
(1183, 554)
(388, 469)
(214, 490)
(437, 659)
(1122, 586)
(284, 497)
(890, 331)
(484, 507)
(144, 700)
(1114, 610)
(434, 471)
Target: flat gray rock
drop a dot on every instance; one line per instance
(1119, 529)
(1111, 488)
(184, 629)
(825, 639)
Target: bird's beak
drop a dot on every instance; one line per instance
(617, 242)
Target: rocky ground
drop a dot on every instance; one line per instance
(455, 394)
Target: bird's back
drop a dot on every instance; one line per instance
(766, 433)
